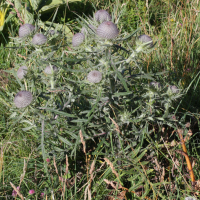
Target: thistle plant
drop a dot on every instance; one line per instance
(97, 86)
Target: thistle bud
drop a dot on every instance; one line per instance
(142, 39)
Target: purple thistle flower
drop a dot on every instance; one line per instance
(14, 193)
(31, 191)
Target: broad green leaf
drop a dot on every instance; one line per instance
(35, 3)
(18, 5)
(59, 27)
(51, 4)
(28, 17)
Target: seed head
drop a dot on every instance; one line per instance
(94, 76)
(39, 39)
(145, 39)
(25, 30)
(50, 69)
(22, 71)
(23, 99)
(107, 30)
(102, 15)
(78, 39)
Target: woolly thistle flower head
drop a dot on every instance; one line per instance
(142, 39)
(39, 39)
(102, 15)
(50, 69)
(23, 99)
(107, 30)
(78, 39)
(22, 71)
(94, 76)
(25, 30)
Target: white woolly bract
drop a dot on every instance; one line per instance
(23, 99)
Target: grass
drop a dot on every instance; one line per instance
(151, 167)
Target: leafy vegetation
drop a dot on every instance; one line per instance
(113, 115)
